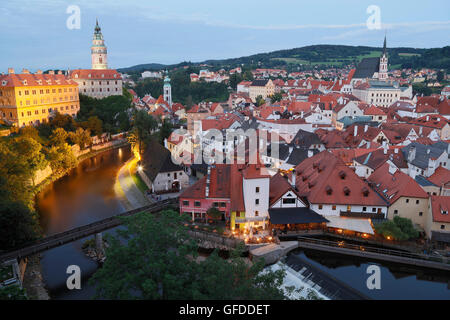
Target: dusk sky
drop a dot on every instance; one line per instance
(34, 33)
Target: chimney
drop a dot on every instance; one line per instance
(396, 150)
(428, 118)
(412, 154)
(420, 131)
(294, 174)
(355, 131)
(290, 149)
(310, 153)
(10, 70)
(392, 169)
(365, 128)
(26, 71)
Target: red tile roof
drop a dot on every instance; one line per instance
(394, 186)
(107, 74)
(441, 176)
(34, 79)
(440, 208)
(279, 185)
(325, 179)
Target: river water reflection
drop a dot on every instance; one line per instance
(81, 197)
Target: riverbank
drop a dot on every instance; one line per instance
(33, 279)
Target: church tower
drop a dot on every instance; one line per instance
(99, 53)
(167, 89)
(383, 72)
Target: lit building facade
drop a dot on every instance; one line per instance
(31, 99)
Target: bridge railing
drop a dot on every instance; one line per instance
(342, 244)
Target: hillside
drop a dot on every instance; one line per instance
(322, 56)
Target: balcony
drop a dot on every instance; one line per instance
(366, 215)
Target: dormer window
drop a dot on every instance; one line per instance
(444, 211)
(365, 192)
(328, 190)
(103, 75)
(342, 174)
(346, 191)
(24, 82)
(89, 75)
(4, 82)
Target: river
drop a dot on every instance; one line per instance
(87, 194)
(83, 196)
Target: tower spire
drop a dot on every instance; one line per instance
(384, 44)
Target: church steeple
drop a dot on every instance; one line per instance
(383, 69)
(167, 89)
(99, 53)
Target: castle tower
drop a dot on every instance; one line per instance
(99, 53)
(383, 72)
(167, 89)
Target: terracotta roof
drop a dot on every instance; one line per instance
(374, 111)
(440, 208)
(34, 79)
(107, 74)
(394, 186)
(324, 178)
(279, 185)
(432, 121)
(441, 176)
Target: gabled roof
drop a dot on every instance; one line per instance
(157, 159)
(377, 158)
(440, 177)
(394, 186)
(423, 153)
(440, 206)
(304, 139)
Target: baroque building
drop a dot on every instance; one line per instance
(32, 99)
(98, 82)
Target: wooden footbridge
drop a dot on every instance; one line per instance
(68, 236)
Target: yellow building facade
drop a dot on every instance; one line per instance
(31, 99)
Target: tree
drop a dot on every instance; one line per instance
(275, 97)
(165, 130)
(18, 223)
(399, 229)
(406, 226)
(95, 125)
(64, 121)
(14, 175)
(143, 124)
(58, 137)
(440, 76)
(81, 137)
(30, 132)
(260, 101)
(12, 293)
(30, 150)
(158, 260)
(61, 158)
(214, 213)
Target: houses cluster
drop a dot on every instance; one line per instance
(287, 152)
